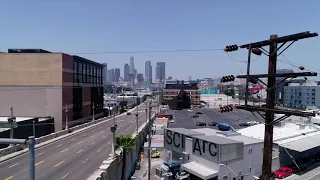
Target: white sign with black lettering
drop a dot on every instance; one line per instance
(205, 149)
(174, 141)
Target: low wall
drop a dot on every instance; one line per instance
(42, 139)
(111, 168)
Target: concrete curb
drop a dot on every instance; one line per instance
(15, 151)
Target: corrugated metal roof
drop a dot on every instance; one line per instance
(301, 143)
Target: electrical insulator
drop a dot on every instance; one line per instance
(231, 48)
(253, 80)
(256, 51)
(227, 78)
(301, 67)
(227, 108)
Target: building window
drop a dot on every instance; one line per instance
(75, 67)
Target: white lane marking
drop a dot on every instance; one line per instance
(92, 136)
(93, 143)
(84, 135)
(65, 176)
(40, 153)
(103, 137)
(74, 139)
(13, 165)
(85, 161)
(313, 176)
(109, 142)
(127, 129)
(102, 131)
(80, 142)
(99, 150)
(59, 145)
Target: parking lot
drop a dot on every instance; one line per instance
(183, 119)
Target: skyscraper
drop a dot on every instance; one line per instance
(140, 77)
(109, 76)
(126, 72)
(131, 70)
(112, 75)
(161, 71)
(104, 73)
(117, 74)
(148, 71)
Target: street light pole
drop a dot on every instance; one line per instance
(137, 118)
(34, 128)
(11, 121)
(66, 112)
(93, 108)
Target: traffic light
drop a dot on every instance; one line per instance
(231, 48)
(227, 78)
(253, 80)
(227, 108)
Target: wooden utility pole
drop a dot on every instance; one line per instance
(257, 48)
(268, 131)
(149, 143)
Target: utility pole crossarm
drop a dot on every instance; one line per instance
(277, 111)
(293, 37)
(287, 75)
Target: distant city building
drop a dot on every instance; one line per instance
(302, 95)
(117, 74)
(161, 71)
(170, 78)
(45, 84)
(104, 73)
(172, 90)
(140, 77)
(113, 79)
(126, 71)
(131, 65)
(148, 71)
(109, 76)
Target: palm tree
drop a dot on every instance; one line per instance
(126, 143)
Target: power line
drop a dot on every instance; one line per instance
(154, 51)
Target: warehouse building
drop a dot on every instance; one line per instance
(210, 154)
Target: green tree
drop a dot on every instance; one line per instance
(126, 143)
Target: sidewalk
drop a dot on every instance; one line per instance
(311, 175)
(142, 173)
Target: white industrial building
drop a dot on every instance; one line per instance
(216, 100)
(294, 141)
(210, 154)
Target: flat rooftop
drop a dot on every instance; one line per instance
(183, 118)
(18, 119)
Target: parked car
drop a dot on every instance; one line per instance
(212, 123)
(155, 154)
(201, 124)
(224, 127)
(128, 113)
(199, 113)
(195, 116)
(283, 172)
(244, 124)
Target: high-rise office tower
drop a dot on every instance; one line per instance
(131, 70)
(161, 71)
(104, 73)
(117, 74)
(126, 72)
(148, 71)
(140, 77)
(109, 76)
(112, 75)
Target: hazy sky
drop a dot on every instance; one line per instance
(95, 26)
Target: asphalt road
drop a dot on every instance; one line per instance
(183, 118)
(73, 158)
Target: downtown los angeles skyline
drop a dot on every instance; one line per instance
(151, 73)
